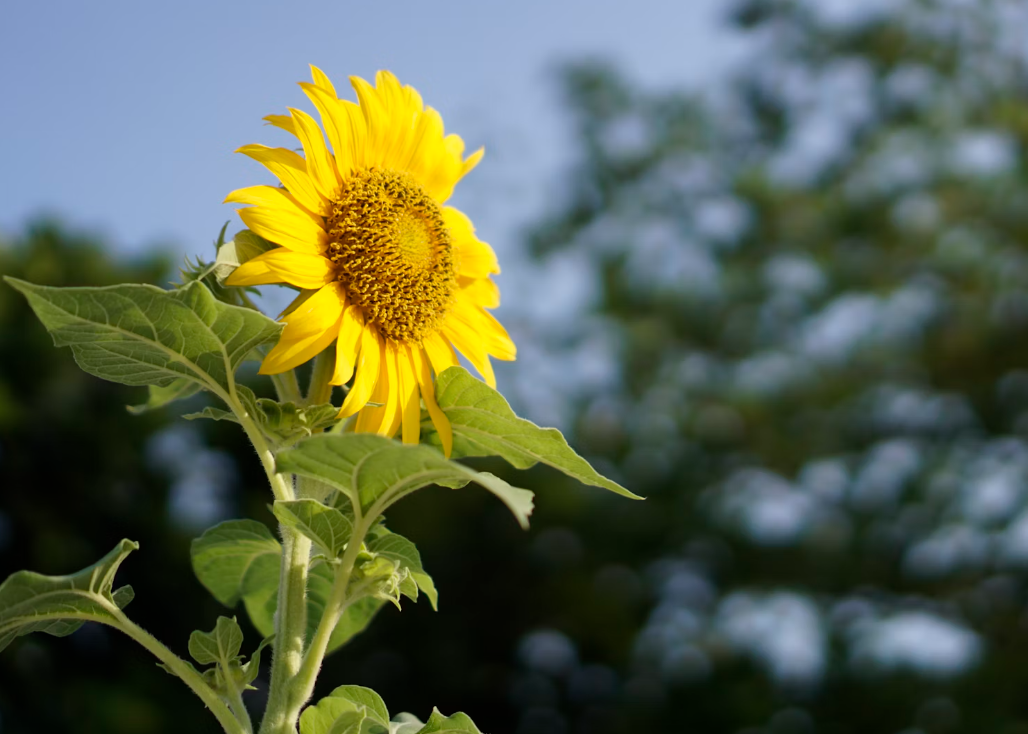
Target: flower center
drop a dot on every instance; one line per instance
(392, 253)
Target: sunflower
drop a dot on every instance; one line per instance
(385, 269)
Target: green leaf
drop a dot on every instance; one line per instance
(338, 711)
(326, 526)
(236, 556)
(143, 335)
(398, 548)
(381, 470)
(58, 605)
(253, 665)
(459, 723)
(283, 422)
(405, 723)
(484, 425)
(180, 389)
(220, 646)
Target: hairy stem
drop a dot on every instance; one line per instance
(290, 633)
(287, 387)
(303, 685)
(320, 391)
(229, 722)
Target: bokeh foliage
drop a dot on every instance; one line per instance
(815, 287)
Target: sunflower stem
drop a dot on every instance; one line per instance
(290, 633)
(287, 387)
(320, 391)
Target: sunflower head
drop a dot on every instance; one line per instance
(389, 275)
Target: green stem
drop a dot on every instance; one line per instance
(320, 391)
(287, 387)
(183, 670)
(235, 703)
(303, 684)
(290, 632)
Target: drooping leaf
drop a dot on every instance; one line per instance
(180, 389)
(253, 666)
(484, 425)
(221, 645)
(234, 556)
(58, 605)
(142, 335)
(326, 526)
(338, 711)
(459, 723)
(400, 549)
(382, 470)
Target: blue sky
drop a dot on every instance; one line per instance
(121, 117)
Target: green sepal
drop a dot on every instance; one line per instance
(484, 425)
(326, 526)
(58, 605)
(380, 470)
(180, 389)
(349, 709)
(143, 335)
(246, 245)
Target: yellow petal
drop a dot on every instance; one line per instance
(489, 332)
(336, 123)
(410, 405)
(376, 119)
(271, 197)
(466, 340)
(304, 271)
(291, 170)
(385, 419)
(297, 232)
(322, 80)
(367, 369)
(475, 259)
(320, 164)
(440, 353)
(480, 291)
(310, 328)
(347, 345)
(423, 374)
(471, 161)
(283, 122)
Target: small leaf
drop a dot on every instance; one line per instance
(405, 723)
(381, 470)
(180, 389)
(253, 665)
(337, 711)
(484, 425)
(398, 548)
(226, 554)
(142, 335)
(459, 723)
(58, 605)
(283, 422)
(221, 646)
(326, 526)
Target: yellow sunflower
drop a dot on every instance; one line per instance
(387, 271)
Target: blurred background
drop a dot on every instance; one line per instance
(765, 263)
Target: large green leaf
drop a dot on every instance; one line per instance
(236, 555)
(58, 605)
(329, 528)
(349, 710)
(484, 425)
(240, 559)
(180, 389)
(381, 470)
(143, 335)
